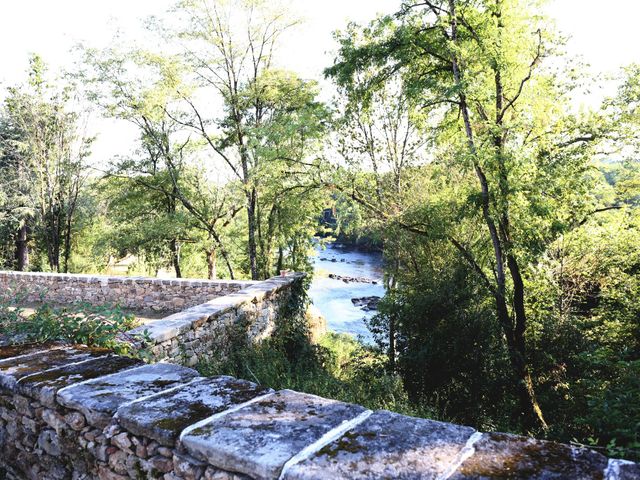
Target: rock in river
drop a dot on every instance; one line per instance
(347, 279)
(366, 303)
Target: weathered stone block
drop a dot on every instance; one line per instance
(387, 445)
(99, 399)
(260, 438)
(44, 386)
(13, 369)
(163, 416)
(500, 455)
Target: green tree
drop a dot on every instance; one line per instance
(49, 150)
(143, 88)
(271, 123)
(517, 161)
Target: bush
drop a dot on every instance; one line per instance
(81, 323)
(339, 368)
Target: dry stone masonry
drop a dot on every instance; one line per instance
(79, 413)
(140, 293)
(209, 319)
(216, 326)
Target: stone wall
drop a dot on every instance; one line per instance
(213, 328)
(138, 293)
(210, 317)
(76, 413)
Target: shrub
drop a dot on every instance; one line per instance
(81, 323)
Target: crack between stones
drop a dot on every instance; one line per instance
(324, 440)
(466, 452)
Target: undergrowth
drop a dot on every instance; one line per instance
(337, 367)
(79, 323)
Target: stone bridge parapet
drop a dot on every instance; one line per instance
(78, 413)
(139, 293)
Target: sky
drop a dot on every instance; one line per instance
(606, 36)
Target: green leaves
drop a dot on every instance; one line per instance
(97, 326)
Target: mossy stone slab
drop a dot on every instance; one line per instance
(505, 456)
(13, 369)
(387, 445)
(259, 438)
(98, 399)
(10, 351)
(163, 416)
(44, 386)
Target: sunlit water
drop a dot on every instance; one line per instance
(333, 297)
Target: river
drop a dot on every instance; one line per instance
(332, 297)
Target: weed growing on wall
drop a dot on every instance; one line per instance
(80, 323)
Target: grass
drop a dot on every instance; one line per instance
(338, 367)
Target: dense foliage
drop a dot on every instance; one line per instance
(507, 215)
(85, 324)
(512, 249)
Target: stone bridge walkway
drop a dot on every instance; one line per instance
(79, 413)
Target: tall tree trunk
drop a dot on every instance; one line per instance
(22, 249)
(54, 246)
(280, 265)
(529, 408)
(223, 252)
(520, 346)
(252, 223)
(391, 285)
(212, 261)
(175, 257)
(66, 256)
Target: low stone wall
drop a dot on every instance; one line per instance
(213, 328)
(76, 413)
(139, 293)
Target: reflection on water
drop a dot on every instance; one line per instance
(333, 297)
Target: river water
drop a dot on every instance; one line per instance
(333, 297)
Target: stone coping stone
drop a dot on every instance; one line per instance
(259, 438)
(163, 416)
(100, 398)
(506, 456)
(387, 445)
(124, 279)
(13, 369)
(160, 331)
(45, 385)
(11, 351)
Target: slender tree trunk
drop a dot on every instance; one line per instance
(520, 346)
(22, 249)
(66, 256)
(212, 261)
(223, 252)
(392, 284)
(252, 223)
(54, 245)
(280, 265)
(266, 245)
(175, 257)
(529, 408)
